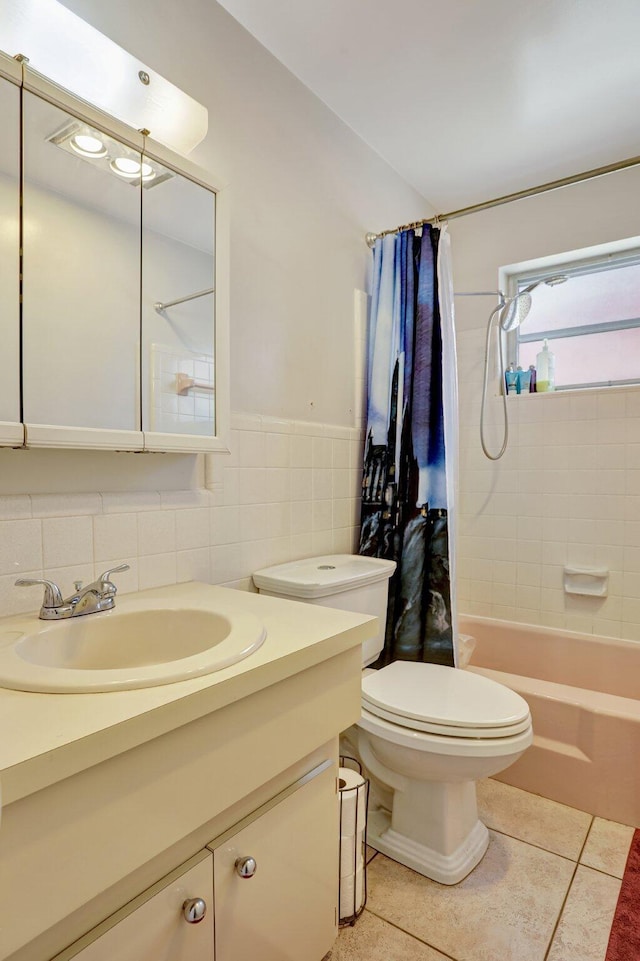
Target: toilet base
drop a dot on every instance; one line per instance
(446, 869)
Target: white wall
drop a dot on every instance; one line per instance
(304, 192)
(568, 489)
(304, 188)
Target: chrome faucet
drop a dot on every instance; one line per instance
(100, 595)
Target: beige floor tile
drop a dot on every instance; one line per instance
(537, 820)
(374, 940)
(607, 847)
(505, 910)
(583, 931)
(370, 853)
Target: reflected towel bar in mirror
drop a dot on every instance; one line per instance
(183, 300)
(185, 383)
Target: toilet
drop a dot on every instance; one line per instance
(427, 732)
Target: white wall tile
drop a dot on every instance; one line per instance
(296, 494)
(193, 565)
(20, 546)
(192, 528)
(65, 505)
(67, 541)
(115, 535)
(277, 450)
(14, 507)
(322, 542)
(130, 501)
(251, 449)
(224, 525)
(301, 517)
(226, 563)
(156, 570)
(321, 484)
(185, 499)
(322, 452)
(20, 600)
(301, 451)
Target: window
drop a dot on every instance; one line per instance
(592, 322)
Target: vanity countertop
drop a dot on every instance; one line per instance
(48, 737)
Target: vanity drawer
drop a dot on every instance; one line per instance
(153, 927)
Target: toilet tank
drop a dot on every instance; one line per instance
(349, 582)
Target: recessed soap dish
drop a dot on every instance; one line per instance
(593, 582)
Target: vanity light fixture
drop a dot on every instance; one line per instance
(103, 151)
(74, 55)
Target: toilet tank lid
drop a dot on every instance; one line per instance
(322, 576)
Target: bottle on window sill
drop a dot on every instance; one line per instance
(532, 379)
(546, 368)
(523, 380)
(511, 380)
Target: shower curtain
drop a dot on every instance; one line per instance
(410, 458)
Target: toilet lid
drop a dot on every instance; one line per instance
(444, 700)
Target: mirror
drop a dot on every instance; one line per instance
(9, 260)
(178, 324)
(81, 302)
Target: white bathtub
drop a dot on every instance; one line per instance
(584, 696)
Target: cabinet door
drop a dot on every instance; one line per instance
(81, 280)
(155, 929)
(181, 347)
(287, 910)
(11, 432)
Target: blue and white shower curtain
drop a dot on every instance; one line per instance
(410, 461)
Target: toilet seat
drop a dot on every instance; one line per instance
(461, 747)
(444, 701)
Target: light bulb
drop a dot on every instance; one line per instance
(126, 167)
(88, 146)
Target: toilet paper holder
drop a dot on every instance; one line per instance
(353, 792)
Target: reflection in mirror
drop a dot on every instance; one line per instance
(9, 252)
(178, 363)
(81, 300)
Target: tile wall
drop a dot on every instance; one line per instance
(289, 489)
(567, 492)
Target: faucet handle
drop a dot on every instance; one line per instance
(52, 593)
(105, 579)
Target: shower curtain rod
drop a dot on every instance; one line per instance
(508, 198)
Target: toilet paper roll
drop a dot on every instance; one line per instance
(353, 802)
(351, 894)
(351, 854)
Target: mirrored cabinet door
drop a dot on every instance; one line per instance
(178, 305)
(81, 287)
(11, 432)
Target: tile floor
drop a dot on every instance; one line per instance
(546, 890)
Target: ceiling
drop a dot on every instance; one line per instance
(468, 99)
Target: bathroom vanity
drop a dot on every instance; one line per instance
(123, 811)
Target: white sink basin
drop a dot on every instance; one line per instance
(130, 647)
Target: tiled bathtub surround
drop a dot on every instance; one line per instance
(288, 489)
(567, 492)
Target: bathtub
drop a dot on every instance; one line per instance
(584, 696)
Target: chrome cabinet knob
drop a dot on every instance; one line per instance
(246, 867)
(194, 910)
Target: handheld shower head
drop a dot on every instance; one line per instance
(516, 309)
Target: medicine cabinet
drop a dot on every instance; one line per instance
(120, 341)
(11, 430)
